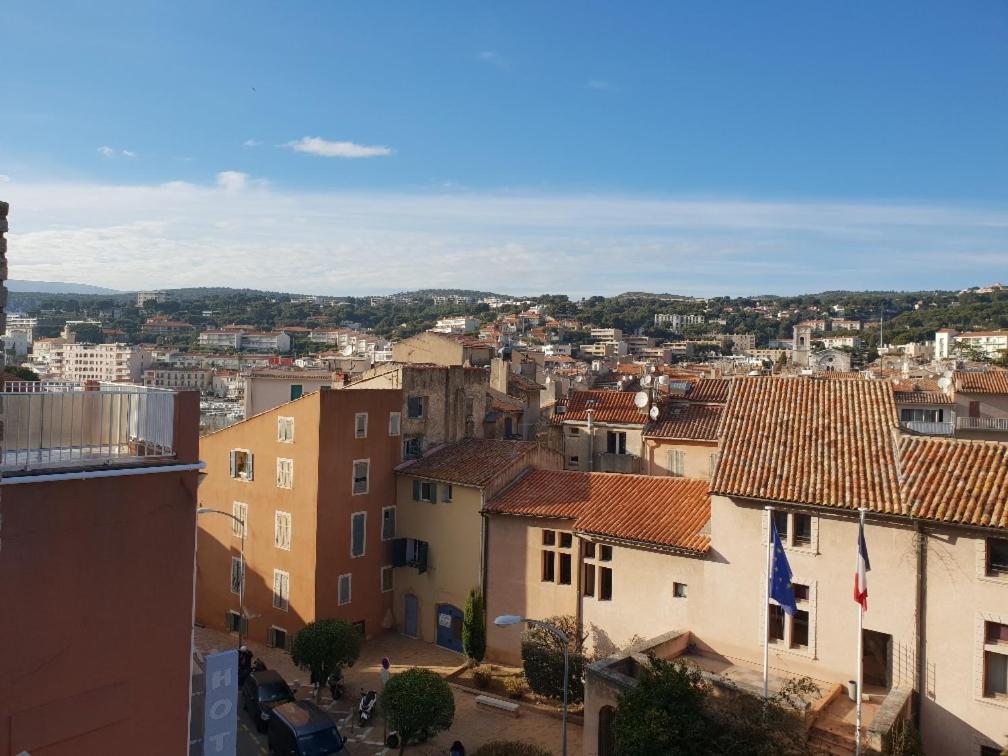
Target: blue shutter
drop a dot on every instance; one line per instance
(399, 552)
(358, 535)
(234, 469)
(421, 556)
(416, 490)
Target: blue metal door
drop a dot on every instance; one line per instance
(410, 625)
(449, 627)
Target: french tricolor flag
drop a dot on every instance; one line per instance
(861, 575)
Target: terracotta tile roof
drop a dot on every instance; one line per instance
(665, 511)
(608, 407)
(956, 481)
(810, 441)
(472, 462)
(920, 391)
(685, 420)
(465, 339)
(521, 383)
(987, 382)
(710, 390)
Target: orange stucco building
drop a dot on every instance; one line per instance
(312, 480)
(96, 569)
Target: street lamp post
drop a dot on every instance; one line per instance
(506, 620)
(241, 585)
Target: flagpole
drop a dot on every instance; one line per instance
(766, 603)
(860, 645)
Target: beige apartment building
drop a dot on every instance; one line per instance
(600, 431)
(178, 378)
(440, 554)
(936, 630)
(266, 388)
(443, 349)
(981, 404)
(683, 441)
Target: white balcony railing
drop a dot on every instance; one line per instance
(982, 423)
(50, 425)
(928, 429)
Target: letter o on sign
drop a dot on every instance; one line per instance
(220, 709)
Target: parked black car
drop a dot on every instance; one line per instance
(301, 728)
(261, 693)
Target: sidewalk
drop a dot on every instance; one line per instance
(472, 726)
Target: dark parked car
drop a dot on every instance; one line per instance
(301, 728)
(261, 693)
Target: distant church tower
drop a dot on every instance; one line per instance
(802, 342)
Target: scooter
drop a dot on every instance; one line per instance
(366, 707)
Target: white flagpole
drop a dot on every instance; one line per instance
(860, 643)
(766, 604)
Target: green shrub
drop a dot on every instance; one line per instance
(509, 748)
(544, 665)
(515, 686)
(418, 703)
(482, 676)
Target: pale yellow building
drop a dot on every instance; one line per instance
(439, 554)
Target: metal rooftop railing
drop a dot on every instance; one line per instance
(54, 424)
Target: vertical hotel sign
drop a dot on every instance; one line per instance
(220, 713)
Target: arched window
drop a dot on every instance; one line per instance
(606, 736)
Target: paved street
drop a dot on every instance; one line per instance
(472, 726)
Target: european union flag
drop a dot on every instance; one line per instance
(780, 575)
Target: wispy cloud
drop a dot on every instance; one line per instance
(326, 148)
(228, 232)
(600, 85)
(251, 143)
(4, 178)
(494, 59)
(110, 152)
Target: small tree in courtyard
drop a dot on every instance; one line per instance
(418, 703)
(474, 627)
(324, 647)
(675, 711)
(543, 659)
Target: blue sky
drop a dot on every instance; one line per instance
(706, 148)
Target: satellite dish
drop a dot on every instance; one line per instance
(646, 380)
(663, 380)
(641, 399)
(654, 412)
(944, 382)
(948, 374)
(347, 350)
(579, 379)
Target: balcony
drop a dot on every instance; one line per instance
(927, 429)
(52, 425)
(618, 463)
(995, 424)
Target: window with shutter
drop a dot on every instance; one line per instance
(285, 473)
(344, 589)
(676, 462)
(399, 557)
(236, 575)
(281, 589)
(240, 511)
(360, 476)
(421, 558)
(386, 578)
(394, 420)
(388, 523)
(285, 429)
(360, 425)
(282, 530)
(358, 529)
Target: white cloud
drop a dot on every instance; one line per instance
(325, 148)
(110, 152)
(232, 181)
(251, 143)
(600, 85)
(494, 59)
(240, 231)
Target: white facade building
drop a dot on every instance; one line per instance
(463, 324)
(994, 344)
(675, 322)
(103, 362)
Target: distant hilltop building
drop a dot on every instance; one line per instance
(462, 324)
(993, 344)
(143, 297)
(676, 322)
